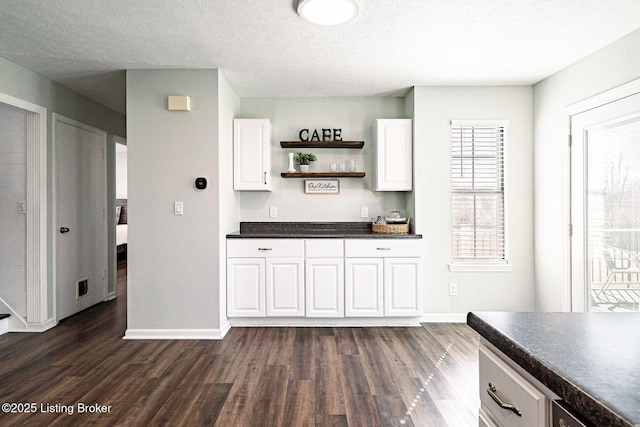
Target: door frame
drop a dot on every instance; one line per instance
(599, 100)
(55, 119)
(37, 318)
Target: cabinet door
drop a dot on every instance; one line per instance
(402, 287)
(363, 287)
(285, 287)
(245, 287)
(325, 287)
(394, 155)
(252, 154)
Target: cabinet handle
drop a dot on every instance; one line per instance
(265, 178)
(504, 405)
(383, 249)
(265, 249)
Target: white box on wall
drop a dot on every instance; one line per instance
(179, 103)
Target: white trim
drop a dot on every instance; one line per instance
(4, 326)
(36, 230)
(481, 123)
(480, 266)
(32, 327)
(611, 95)
(175, 334)
(324, 322)
(444, 318)
(603, 98)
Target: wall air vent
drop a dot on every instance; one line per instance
(82, 288)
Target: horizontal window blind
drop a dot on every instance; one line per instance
(477, 191)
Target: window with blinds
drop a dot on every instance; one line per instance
(478, 191)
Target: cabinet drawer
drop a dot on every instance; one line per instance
(265, 248)
(366, 248)
(510, 387)
(324, 248)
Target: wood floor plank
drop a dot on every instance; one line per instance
(300, 404)
(329, 393)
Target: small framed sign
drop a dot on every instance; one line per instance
(322, 186)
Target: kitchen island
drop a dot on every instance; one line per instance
(591, 361)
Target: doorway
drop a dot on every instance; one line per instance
(605, 207)
(23, 267)
(81, 207)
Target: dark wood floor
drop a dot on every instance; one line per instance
(425, 376)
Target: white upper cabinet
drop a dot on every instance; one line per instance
(394, 155)
(252, 154)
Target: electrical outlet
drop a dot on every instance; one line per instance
(364, 212)
(453, 289)
(273, 212)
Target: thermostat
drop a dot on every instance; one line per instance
(201, 183)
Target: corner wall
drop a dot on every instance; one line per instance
(606, 69)
(174, 260)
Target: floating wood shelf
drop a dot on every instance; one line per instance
(322, 144)
(322, 174)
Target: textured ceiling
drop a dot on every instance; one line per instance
(264, 49)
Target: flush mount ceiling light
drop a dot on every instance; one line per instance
(328, 12)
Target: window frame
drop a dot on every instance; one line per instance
(480, 264)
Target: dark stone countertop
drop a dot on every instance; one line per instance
(590, 360)
(307, 230)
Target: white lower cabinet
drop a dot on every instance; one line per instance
(284, 287)
(402, 287)
(324, 278)
(324, 274)
(265, 277)
(364, 290)
(246, 287)
(507, 399)
(383, 277)
(325, 287)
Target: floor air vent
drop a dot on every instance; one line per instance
(82, 288)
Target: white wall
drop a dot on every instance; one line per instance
(356, 117)
(434, 108)
(13, 226)
(173, 275)
(611, 66)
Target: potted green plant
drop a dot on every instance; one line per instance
(304, 160)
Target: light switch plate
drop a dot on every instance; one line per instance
(178, 208)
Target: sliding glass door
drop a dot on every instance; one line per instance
(605, 207)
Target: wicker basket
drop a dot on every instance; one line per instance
(391, 228)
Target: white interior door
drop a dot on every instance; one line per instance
(605, 207)
(81, 201)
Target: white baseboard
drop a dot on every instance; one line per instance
(4, 326)
(175, 334)
(323, 322)
(111, 296)
(32, 327)
(444, 318)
